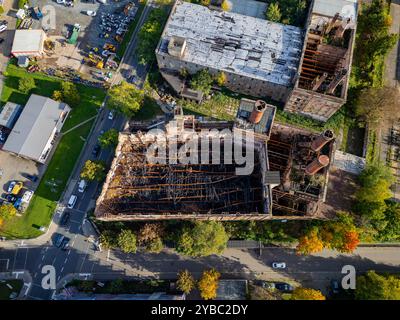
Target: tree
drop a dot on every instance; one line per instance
(205, 238)
(109, 138)
(93, 170)
(375, 103)
(375, 182)
(310, 243)
(149, 35)
(26, 84)
(149, 232)
(208, 284)
(185, 281)
(273, 12)
(57, 95)
(127, 241)
(116, 286)
(351, 241)
(125, 98)
(155, 245)
(7, 211)
(373, 286)
(391, 230)
(70, 94)
(202, 81)
(221, 78)
(307, 294)
(225, 6)
(107, 240)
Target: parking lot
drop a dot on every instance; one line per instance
(13, 168)
(92, 37)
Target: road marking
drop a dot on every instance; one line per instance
(26, 258)
(17, 273)
(108, 255)
(53, 294)
(7, 263)
(65, 261)
(27, 288)
(58, 278)
(42, 257)
(35, 274)
(40, 265)
(69, 252)
(62, 269)
(15, 258)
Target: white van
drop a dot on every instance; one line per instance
(82, 186)
(72, 201)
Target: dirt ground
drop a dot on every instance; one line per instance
(340, 194)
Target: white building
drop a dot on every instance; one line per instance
(29, 43)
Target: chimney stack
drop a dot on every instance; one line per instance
(332, 23)
(321, 162)
(258, 111)
(321, 140)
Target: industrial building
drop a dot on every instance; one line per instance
(28, 43)
(306, 70)
(258, 57)
(324, 72)
(288, 179)
(32, 136)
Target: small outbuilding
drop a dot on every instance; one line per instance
(23, 61)
(28, 43)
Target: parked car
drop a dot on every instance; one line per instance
(82, 185)
(27, 196)
(111, 115)
(17, 188)
(1, 40)
(335, 288)
(282, 286)
(11, 198)
(31, 177)
(72, 201)
(65, 218)
(265, 284)
(18, 203)
(58, 239)
(96, 150)
(60, 1)
(69, 3)
(102, 1)
(278, 265)
(64, 243)
(3, 28)
(11, 186)
(90, 13)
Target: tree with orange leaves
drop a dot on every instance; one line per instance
(351, 241)
(310, 243)
(208, 284)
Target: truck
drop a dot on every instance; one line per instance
(37, 13)
(17, 188)
(75, 33)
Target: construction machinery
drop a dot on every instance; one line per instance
(95, 60)
(110, 47)
(75, 33)
(49, 45)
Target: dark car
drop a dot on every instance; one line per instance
(96, 150)
(282, 286)
(11, 198)
(58, 240)
(64, 243)
(65, 218)
(335, 288)
(31, 177)
(1, 40)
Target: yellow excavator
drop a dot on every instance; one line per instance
(95, 61)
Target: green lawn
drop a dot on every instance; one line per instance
(5, 291)
(53, 183)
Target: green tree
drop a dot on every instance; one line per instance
(155, 245)
(127, 241)
(70, 94)
(205, 238)
(116, 286)
(57, 95)
(273, 12)
(185, 282)
(149, 35)
(107, 239)
(109, 138)
(26, 84)
(373, 286)
(125, 98)
(391, 229)
(202, 81)
(93, 170)
(375, 182)
(7, 211)
(221, 78)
